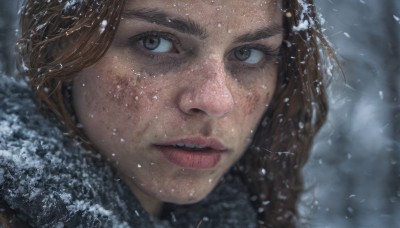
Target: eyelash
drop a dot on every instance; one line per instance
(269, 54)
(164, 35)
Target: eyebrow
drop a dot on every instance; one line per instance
(161, 18)
(263, 33)
(190, 27)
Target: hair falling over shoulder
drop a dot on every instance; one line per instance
(273, 163)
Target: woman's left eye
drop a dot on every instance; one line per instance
(156, 44)
(249, 55)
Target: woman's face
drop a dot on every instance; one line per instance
(174, 102)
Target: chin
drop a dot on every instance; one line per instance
(178, 199)
(183, 196)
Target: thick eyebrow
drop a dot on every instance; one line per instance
(263, 33)
(161, 18)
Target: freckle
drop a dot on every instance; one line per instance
(123, 91)
(252, 100)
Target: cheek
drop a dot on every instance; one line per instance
(251, 109)
(256, 94)
(120, 91)
(122, 96)
(131, 92)
(254, 103)
(113, 99)
(251, 102)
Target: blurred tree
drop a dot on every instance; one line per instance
(392, 67)
(355, 166)
(8, 15)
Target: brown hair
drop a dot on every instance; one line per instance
(70, 26)
(273, 163)
(280, 148)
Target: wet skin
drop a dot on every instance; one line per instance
(164, 81)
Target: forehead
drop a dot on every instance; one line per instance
(228, 13)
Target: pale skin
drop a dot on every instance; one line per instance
(158, 83)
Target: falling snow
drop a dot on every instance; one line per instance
(354, 157)
(103, 25)
(350, 176)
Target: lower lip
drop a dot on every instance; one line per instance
(191, 160)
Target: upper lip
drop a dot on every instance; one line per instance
(203, 142)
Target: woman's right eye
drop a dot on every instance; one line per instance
(156, 44)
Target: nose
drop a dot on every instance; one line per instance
(207, 93)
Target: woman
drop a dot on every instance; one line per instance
(205, 112)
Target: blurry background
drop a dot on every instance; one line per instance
(8, 20)
(353, 176)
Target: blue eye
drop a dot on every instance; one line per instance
(156, 44)
(249, 55)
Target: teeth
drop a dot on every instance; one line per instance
(190, 146)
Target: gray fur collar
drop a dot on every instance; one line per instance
(47, 179)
